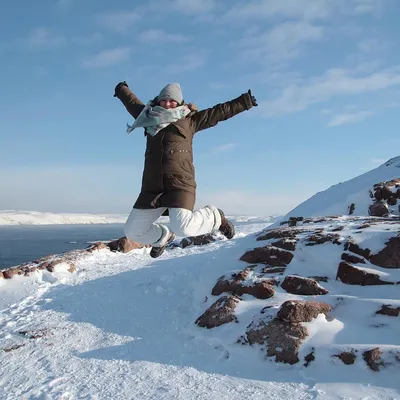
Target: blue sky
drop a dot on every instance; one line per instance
(326, 74)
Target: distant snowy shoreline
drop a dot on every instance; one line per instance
(11, 217)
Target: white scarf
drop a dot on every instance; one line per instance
(153, 119)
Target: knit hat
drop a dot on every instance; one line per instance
(172, 91)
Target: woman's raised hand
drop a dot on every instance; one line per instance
(118, 87)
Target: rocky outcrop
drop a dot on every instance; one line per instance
(348, 273)
(389, 257)
(270, 255)
(320, 238)
(378, 210)
(238, 285)
(221, 312)
(284, 335)
(304, 286)
(197, 240)
(389, 310)
(373, 359)
(296, 311)
(347, 357)
(125, 245)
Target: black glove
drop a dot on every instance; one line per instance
(253, 99)
(118, 87)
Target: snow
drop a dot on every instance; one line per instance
(122, 327)
(11, 217)
(337, 199)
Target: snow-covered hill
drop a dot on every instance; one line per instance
(305, 308)
(11, 217)
(360, 191)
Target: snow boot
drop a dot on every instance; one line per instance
(157, 251)
(226, 228)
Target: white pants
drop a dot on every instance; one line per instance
(141, 227)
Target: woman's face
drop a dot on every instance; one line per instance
(168, 103)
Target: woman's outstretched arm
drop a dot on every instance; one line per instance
(131, 102)
(211, 116)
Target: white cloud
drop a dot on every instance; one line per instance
(119, 21)
(107, 58)
(87, 40)
(283, 40)
(187, 63)
(300, 9)
(192, 6)
(223, 148)
(342, 119)
(64, 4)
(333, 83)
(157, 36)
(310, 9)
(44, 38)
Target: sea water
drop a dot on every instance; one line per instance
(19, 244)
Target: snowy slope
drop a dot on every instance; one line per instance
(337, 199)
(123, 327)
(11, 217)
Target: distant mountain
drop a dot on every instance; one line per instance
(11, 217)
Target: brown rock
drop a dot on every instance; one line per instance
(304, 286)
(282, 339)
(378, 210)
(373, 359)
(389, 257)
(293, 220)
(386, 192)
(320, 238)
(398, 193)
(389, 310)
(222, 286)
(351, 258)
(9, 273)
(338, 229)
(296, 311)
(197, 240)
(347, 357)
(378, 195)
(355, 248)
(242, 275)
(260, 290)
(221, 312)
(309, 358)
(285, 244)
(392, 201)
(268, 255)
(280, 233)
(50, 266)
(98, 246)
(124, 245)
(352, 275)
